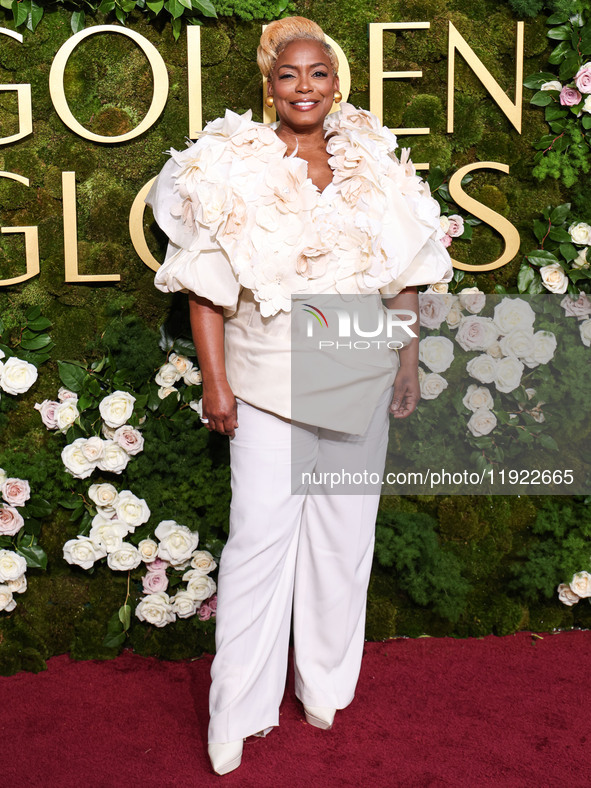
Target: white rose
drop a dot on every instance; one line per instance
(199, 586)
(481, 422)
(554, 84)
(167, 375)
(202, 561)
(104, 495)
(156, 609)
(74, 460)
(131, 509)
(483, 368)
(181, 363)
(454, 316)
(184, 604)
(197, 405)
(108, 535)
(437, 353)
(472, 299)
(444, 222)
(114, 458)
(585, 330)
(7, 601)
(513, 313)
(566, 595)
(580, 260)
(544, 345)
(12, 565)
(130, 439)
(83, 552)
(495, 350)
(192, 377)
(108, 432)
(581, 584)
(580, 233)
(456, 225)
(3, 476)
(65, 394)
(177, 542)
(476, 333)
(17, 376)
(11, 521)
(518, 343)
(93, 449)
(508, 374)
(579, 307)
(477, 397)
(125, 557)
(66, 414)
(438, 287)
(165, 391)
(432, 385)
(553, 278)
(116, 408)
(47, 410)
(18, 586)
(148, 549)
(16, 492)
(433, 309)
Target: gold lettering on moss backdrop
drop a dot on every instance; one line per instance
(23, 97)
(377, 75)
(492, 218)
(31, 240)
(58, 95)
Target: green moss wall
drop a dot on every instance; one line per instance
(109, 88)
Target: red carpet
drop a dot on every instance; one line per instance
(512, 711)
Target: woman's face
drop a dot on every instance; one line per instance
(302, 85)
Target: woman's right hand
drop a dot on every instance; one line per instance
(219, 407)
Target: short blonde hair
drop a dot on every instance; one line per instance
(278, 34)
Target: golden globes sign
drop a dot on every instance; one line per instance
(377, 75)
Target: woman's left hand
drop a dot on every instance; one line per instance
(407, 393)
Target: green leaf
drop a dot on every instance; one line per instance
(184, 347)
(33, 313)
(560, 213)
(540, 229)
(125, 616)
(34, 17)
(525, 277)
(20, 12)
(553, 113)
(106, 6)
(155, 7)
(36, 343)
(548, 442)
(535, 81)
(559, 234)
(568, 251)
(177, 26)
(557, 19)
(77, 21)
(541, 99)
(114, 641)
(206, 7)
(39, 324)
(536, 287)
(435, 178)
(586, 121)
(35, 556)
(558, 53)
(569, 65)
(174, 8)
(561, 33)
(500, 289)
(37, 507)
(541, 257)
(71, 376)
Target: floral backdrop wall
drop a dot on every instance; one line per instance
(99, 423)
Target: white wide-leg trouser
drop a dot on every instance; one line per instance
(310, 551)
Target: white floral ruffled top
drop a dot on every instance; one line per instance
(234, 190)
(248, 229)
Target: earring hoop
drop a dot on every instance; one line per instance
(338, 97)
(269, 101)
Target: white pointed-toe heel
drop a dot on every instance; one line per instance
(225, 757)
(319, 716)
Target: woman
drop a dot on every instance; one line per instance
(316, 204)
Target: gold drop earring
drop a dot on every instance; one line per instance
(338, 97)
(269, 101)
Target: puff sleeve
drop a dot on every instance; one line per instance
(194, 261)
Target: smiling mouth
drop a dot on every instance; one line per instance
(304, 104)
